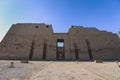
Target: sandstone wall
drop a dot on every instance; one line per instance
(103, 45)
(18, 41)
(38, 42)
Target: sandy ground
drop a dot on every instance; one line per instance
(59, 70)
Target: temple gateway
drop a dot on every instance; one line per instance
(37, 41)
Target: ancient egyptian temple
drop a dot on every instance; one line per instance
(37, 41)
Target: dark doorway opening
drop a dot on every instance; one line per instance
(76, 51)
(44, 51)
(89, 49)
(31, 50)
(60, 54)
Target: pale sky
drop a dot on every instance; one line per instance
(102, 14)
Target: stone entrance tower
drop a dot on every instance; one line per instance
(39, 42)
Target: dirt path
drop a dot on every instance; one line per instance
(56, 70)
(66, 71)
(21, 71)
(111, 72)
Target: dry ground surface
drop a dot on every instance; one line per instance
(59, 70)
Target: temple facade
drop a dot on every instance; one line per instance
(35, 41)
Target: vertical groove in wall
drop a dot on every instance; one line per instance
(69, 46)
(76, 52)
(89, 49)
(44, 51)
(31, 50)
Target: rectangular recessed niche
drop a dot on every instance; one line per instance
(60, 43)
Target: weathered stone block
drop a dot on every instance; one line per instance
(24, 61)
(98, 61)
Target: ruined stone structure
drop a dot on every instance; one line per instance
(39, 42)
